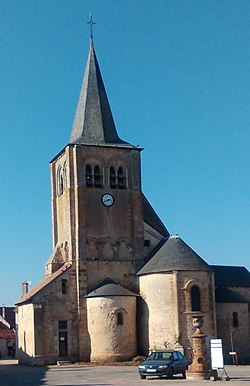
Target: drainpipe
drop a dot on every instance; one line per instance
(175, 287)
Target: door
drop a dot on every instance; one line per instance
(63, 344)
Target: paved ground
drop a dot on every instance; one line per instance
(12, 374)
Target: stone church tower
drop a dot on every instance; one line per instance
(103, 226)
(117, 284)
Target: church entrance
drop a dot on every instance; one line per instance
(63, 344)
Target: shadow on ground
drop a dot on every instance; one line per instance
(16, 375)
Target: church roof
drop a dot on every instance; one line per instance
(152, 219)
(230, 276)
(47, 280)
(94, 123)
(226, 295)
(110, 289)
(174, 255)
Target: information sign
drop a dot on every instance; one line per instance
(216, 354)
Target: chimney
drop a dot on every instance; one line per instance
(25, 288)
(3, 311)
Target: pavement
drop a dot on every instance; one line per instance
(12, 374)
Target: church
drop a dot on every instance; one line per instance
(117, 284)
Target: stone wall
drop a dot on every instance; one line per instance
(112, 328)
(234, 338)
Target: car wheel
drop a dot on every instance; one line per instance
(143, 376)
(170, 373)
(184, 375)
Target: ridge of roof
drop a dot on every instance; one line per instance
(27, 297)
(94, 123)
(152, 218)
(174, 255)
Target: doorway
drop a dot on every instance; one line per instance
(63, 344)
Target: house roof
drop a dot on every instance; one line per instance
(94, 123)
(9, 315)
(174, 254)
(110, 289)
(230, 276)
(152, 219)
(47, 280)
(226, 295)
(5, 332)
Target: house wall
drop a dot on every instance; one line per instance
(38, 323)
(6, 347)
(234, 338)
(26, 334)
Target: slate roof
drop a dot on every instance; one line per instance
(9, 315)
(47, 280)
(230, 276)
(94, 123)
(226, 295)
(174, 255)
(110, 289)
(152, 219)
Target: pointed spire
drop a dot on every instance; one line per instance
(94, 123)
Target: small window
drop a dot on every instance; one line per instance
(97, 177)
(195, 298)
(121, 178)
(120, 319)
(235, 319)
(112, 177)
(88, 176)
(62, 324)
(64, 286)
(146, 243)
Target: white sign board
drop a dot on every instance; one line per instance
(216, 354)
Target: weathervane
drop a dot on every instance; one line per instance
(91, 23)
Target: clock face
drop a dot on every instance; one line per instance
(107, 199)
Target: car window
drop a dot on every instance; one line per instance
(175, 356)
(159, 356)
(152, 356)
(167, 355)
(181, 357)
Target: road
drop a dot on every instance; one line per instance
(11, 374)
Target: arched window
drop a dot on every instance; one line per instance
(61, 187)
(195, 298)
(64, 173)
(88, 176)
(235, 319)
(97, 177)
(60, 183)
(121, 178)
(112, 177)
(120, 319)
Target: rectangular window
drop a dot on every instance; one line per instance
(62, 324)
(64, 286)
(146, 243)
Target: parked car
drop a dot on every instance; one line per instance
(163, 363)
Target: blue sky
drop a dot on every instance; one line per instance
(177, 77)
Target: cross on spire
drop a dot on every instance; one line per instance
(91, 23)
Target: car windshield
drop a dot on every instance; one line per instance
(159, 356)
